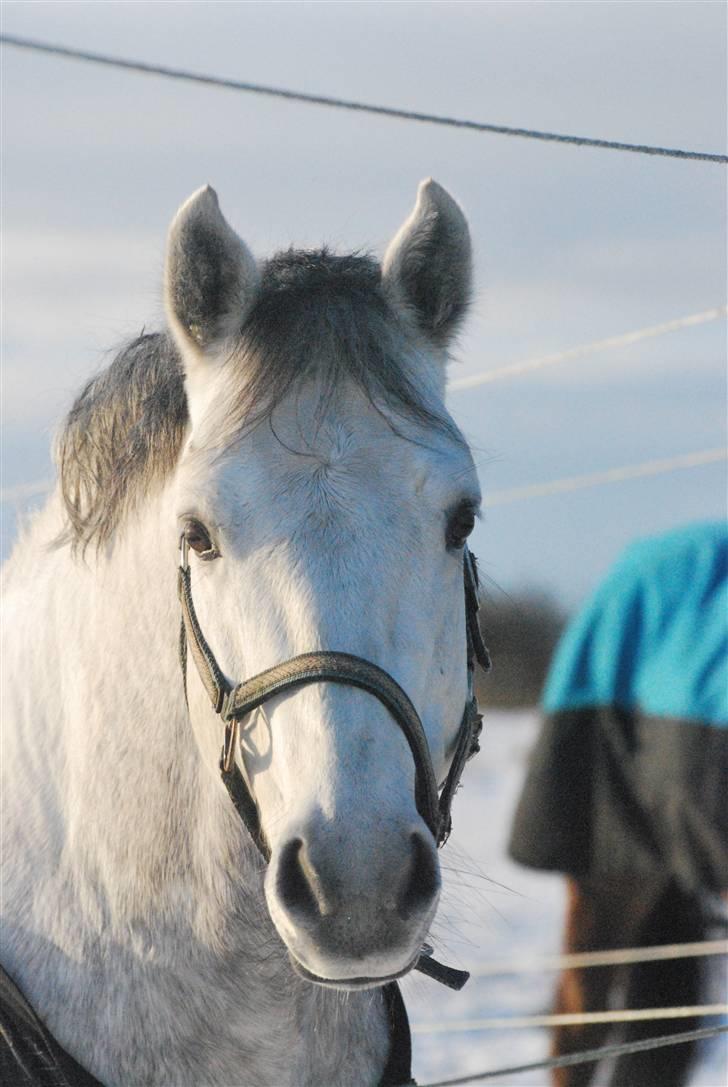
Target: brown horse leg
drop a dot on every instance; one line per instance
(676, 918)
(598, 917)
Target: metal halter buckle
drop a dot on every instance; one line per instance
(184, 552)
(229, 743)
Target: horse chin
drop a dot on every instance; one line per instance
(352, 982)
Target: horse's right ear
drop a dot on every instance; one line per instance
(211, 278)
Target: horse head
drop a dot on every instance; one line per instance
(324, 496)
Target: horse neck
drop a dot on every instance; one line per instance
(138, 817)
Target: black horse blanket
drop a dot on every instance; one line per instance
(29, 1054)
(630, 772)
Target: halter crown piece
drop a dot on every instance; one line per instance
(324, 666)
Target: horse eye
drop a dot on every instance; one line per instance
(198, 538)
(460, 524)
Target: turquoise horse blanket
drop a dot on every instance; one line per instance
(630, 772)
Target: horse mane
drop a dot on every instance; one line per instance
(315, 313)
(121, 438)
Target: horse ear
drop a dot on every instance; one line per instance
(428, 265)
(211, 277)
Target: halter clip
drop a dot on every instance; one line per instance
(184, 552)
(229, 743)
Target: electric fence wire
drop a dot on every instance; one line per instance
(588, 1056)
(348, 104)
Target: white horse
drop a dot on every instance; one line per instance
(290, 426)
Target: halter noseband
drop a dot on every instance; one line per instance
(326, 666)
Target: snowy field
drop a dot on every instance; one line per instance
(493, 908)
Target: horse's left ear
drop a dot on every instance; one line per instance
(211, 278)
(428, 265)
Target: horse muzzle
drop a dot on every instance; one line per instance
(352, 916)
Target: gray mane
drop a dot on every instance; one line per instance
(121, 438)
(315, 313)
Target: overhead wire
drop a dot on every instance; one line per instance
(586, 1056)
(19, 492)
(612, 475)
(568, 1019)
(610, 343)
(587, 959)
(335, 102)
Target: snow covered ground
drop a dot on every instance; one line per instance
(493, 908)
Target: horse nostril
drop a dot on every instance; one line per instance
(423, 880)
(297, 883)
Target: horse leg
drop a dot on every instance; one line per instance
(580, 990)
(676, 918)
(598, 917)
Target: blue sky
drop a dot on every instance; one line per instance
(571, 244)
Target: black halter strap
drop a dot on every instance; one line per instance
(233, 703)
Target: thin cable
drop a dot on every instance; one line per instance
(20, 491)
(587, 959)
(347, 104)
(567, 1019)
(587, 1056)
(613, 475)
(582, 350)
